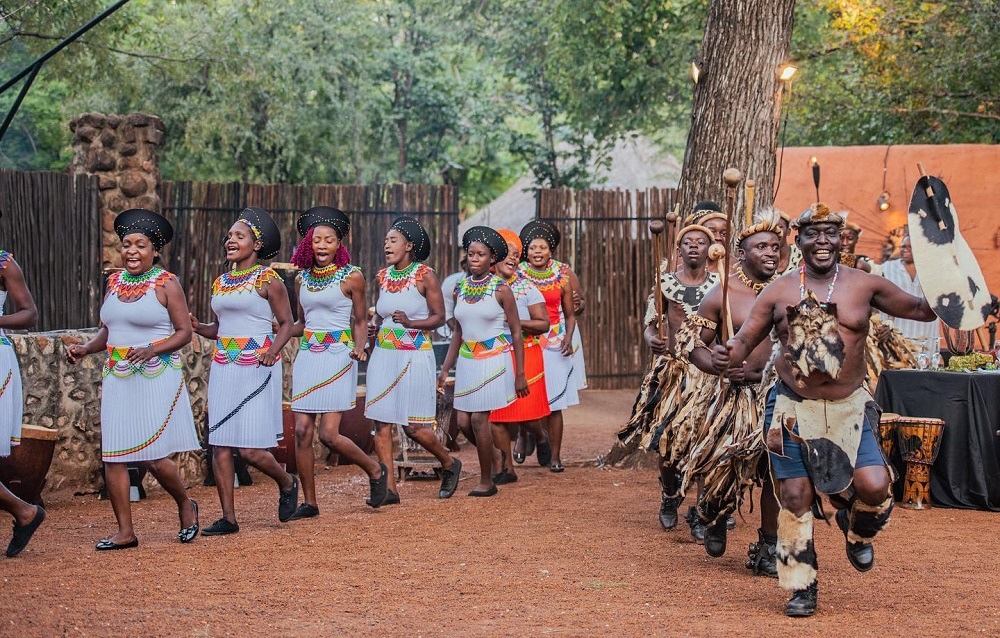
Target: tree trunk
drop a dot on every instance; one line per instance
(737, 101)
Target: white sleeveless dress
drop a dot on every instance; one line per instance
(400, 381)
(484, 371)
(11, 398)
(324, 376)
(145, 409)
(244, 397)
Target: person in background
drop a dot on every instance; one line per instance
(903, 273)
(448, 290)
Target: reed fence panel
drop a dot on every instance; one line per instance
(606, 240)
(52, 223)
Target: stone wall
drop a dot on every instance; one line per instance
(68, 398)
(121, 151)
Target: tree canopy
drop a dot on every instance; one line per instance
(472, 93)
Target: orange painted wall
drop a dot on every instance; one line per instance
(851, 180)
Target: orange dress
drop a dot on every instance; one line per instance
(536, 404)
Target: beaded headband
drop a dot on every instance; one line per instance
(538, 229)
(253, 227)
(818, 213)
(695, 228)
(765, 221)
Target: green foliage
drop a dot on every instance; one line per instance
(472, 92)
(896, 72)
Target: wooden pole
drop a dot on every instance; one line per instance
(656, 227)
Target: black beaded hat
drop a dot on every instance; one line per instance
(264, 230)
(140, 220)
(324, 216)
(414, 233)
(704, 211)
(538, 229)
(486, 235)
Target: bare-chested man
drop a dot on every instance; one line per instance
(819, 419)
(732, 455)
(682, 292)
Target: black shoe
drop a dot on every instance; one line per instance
(23, 533)
(522, 440)
(449, 479)
(861, 555)
(304, 510)
(668, 511)
(761, 560)
(697, 527)
(556, 468)
(730, 523)
(379, 488)
(220, 527)
(544, 453)
(505, 477)
(492, 491)
(802, 603)
(529, 445)
(109, 545)
(715, 539)
(188, 534)
(391, 498)
(288, 501)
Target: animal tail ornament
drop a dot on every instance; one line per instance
(814, 341)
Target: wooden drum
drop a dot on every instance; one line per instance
(356, 427)
(284, 452)
(887, 432)
(919, 442)
(24, 471)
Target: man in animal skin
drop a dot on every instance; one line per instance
(820, 423)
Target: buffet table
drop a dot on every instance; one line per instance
(967, 471)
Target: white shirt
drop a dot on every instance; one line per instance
(918, 331)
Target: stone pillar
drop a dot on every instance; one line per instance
(121, 151)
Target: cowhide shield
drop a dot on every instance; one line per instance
(949, 274)
(829, 433)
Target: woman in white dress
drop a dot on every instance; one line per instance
(332, 324)
(244, 387)
(565, 372)
(487, 327)
(27, 517)
(145, 409)
(400, 375)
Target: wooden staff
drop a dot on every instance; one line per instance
(732, 177)
(673, 221)
(748, 196)
(656, 227)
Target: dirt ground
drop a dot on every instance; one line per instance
(571, 554)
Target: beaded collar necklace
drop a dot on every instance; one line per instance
(547, 278)
(316, 279)
(802, 282)
(393, 280)
(127, 286)
(472, 291)
(753, 285)
(236, 280)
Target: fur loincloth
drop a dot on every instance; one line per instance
(828, 431)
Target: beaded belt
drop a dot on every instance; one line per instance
(244, 351)
(553, 340)
(118, 364)
(320, 341)
(403, 339)
(485, 349)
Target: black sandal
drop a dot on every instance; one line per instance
(109, 545)
(187, 534)
(557, 467)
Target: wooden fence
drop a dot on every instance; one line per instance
(606, 240)
(52, 224)
(203, 212)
